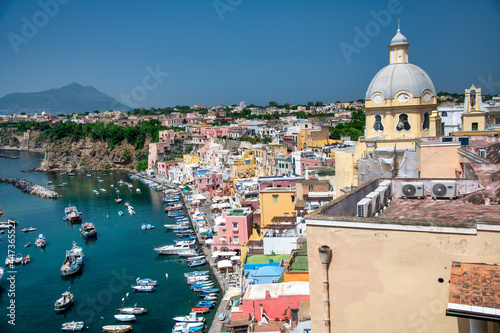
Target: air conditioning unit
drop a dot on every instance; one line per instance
(375, 197)
(412, 190)
(365, 208)
(443, 189)
(382, 194)
(388, 192)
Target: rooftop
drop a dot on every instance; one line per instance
(474, 291)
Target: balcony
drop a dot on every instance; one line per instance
(235, 230)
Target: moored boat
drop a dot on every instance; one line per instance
(144, 289)
(88, 230)
(118, 200)
(187, 327)
(204, 309)
(72, 326)
(30, 229)
(71, 214)
(73, 262)
(117, 328)
(40, 241)
(147, 226)
(133, 310)
(199, 262)
(195, 273)
(63, 185)
(146, 282)
(191, 318)
(64, 302)
(125, 317)
(172, 249)
(120, 213)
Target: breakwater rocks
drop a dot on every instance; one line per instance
(29, 187)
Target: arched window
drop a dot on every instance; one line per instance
(427, 121)
(403, 124)
(377, 125)
(444, 114)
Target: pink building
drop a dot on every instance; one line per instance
(163, 167)
(173, 119)
(235, 231)
(167, 136)
(272, 300)
(214, 132)
(208, 183)
(315, 162)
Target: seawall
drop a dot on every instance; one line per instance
(29, 187)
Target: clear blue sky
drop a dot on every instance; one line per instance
(250, 50)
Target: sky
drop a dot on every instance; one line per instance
(166, 53)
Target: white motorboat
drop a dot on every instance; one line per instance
(125, 317)
(146, 282)
(195, 273)
(64, 302)
(72, 326)
(144, 289)
(1, 272)
(187, 327)
(185, 242)
(117, 328)
(172, 249)
(191, 318)
(40, 241)
(134, 310)
(189, 253)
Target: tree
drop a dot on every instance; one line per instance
(273, 104)
(318, 103)
(310, 103)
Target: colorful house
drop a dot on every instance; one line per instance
(235, 229)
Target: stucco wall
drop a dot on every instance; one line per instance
(279, 245)
(387, 281)
(438, 161)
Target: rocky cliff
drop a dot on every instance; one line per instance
(88, 154)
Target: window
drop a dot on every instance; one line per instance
(223, 231)
(482, 153)
(474, 126)
(285, 214)
(403, 123)
(377, 125)
(275, 198)
(235, 225)
(236, 240)
(427, 120)
(444, 114)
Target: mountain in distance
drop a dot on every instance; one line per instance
(73, 98)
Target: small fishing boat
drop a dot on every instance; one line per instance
(146, 282)
(73, 262)
(27, 244)
(64, 302)
(30, 229)
(189, 253)
(120, 213)
(88, 230)
(172, 249)
(208, 304)
(72, 327)
(222, 316)
(192, 318)
(187, 327)
(208, 294)
(134, 310)
(144, 289)
(26, 259)
(72, 214)
(117, 328)
(210, 298)
(199, 262)
(147, 226)
(138, 190)
(201, 309)
(195, 273)
(40, 241)
(71, 174)
(118, 200)
(89, 175)
(63, 185)
(125, 317)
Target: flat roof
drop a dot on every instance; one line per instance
(458, 210)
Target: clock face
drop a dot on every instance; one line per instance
(403, 97)
(378, 98)
(427, 96)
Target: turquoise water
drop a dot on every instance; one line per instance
(121, 253)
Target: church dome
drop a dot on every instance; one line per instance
(399, 39)
(394, 78)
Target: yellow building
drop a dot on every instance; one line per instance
(244, 167)
(190, 159)
(310, 137)
(276, 201)
(400, 106)
(474, 117)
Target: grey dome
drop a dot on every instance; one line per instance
(394, 78)
(399, 39)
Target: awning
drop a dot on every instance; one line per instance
(223, 253)
(209, 241)
(224, 264)
(199, 197)
(234, 258)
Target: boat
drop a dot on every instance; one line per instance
(89, 175)
(26, 259)
(195, 273)
(133, 310)
(120, 213)
(204, 309)
(102, 189)
(191, 318)
(138, 190)
(64, 302)
(40, 241)
(146, 282)
(199, 262)
(210, 298)
(30, 229)
(88, 230)
(198, 280)
(8, 224)
(207, 290)
(144, 289)
(202, 284)
(222, 316)
(187, 327)
(117, 328)
(2, 270)
(147, 226)
(189, 253)
(101, 180)
(118, 200)
(73, 262)
(180, 226)
(172, 249)
(176, 213)
(208, 304)
(124, 317)
(27, 244)
(71, 174)
(72, 326)
(62, 185)
(189, 242)
(72, 214)
(208, 294)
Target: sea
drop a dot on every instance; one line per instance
(121, 253)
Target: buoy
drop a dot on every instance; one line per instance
(166, 275)
(126, 295)
(107, 216)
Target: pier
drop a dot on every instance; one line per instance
(29, 187)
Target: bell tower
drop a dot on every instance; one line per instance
(398, 53)
(474, 117)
